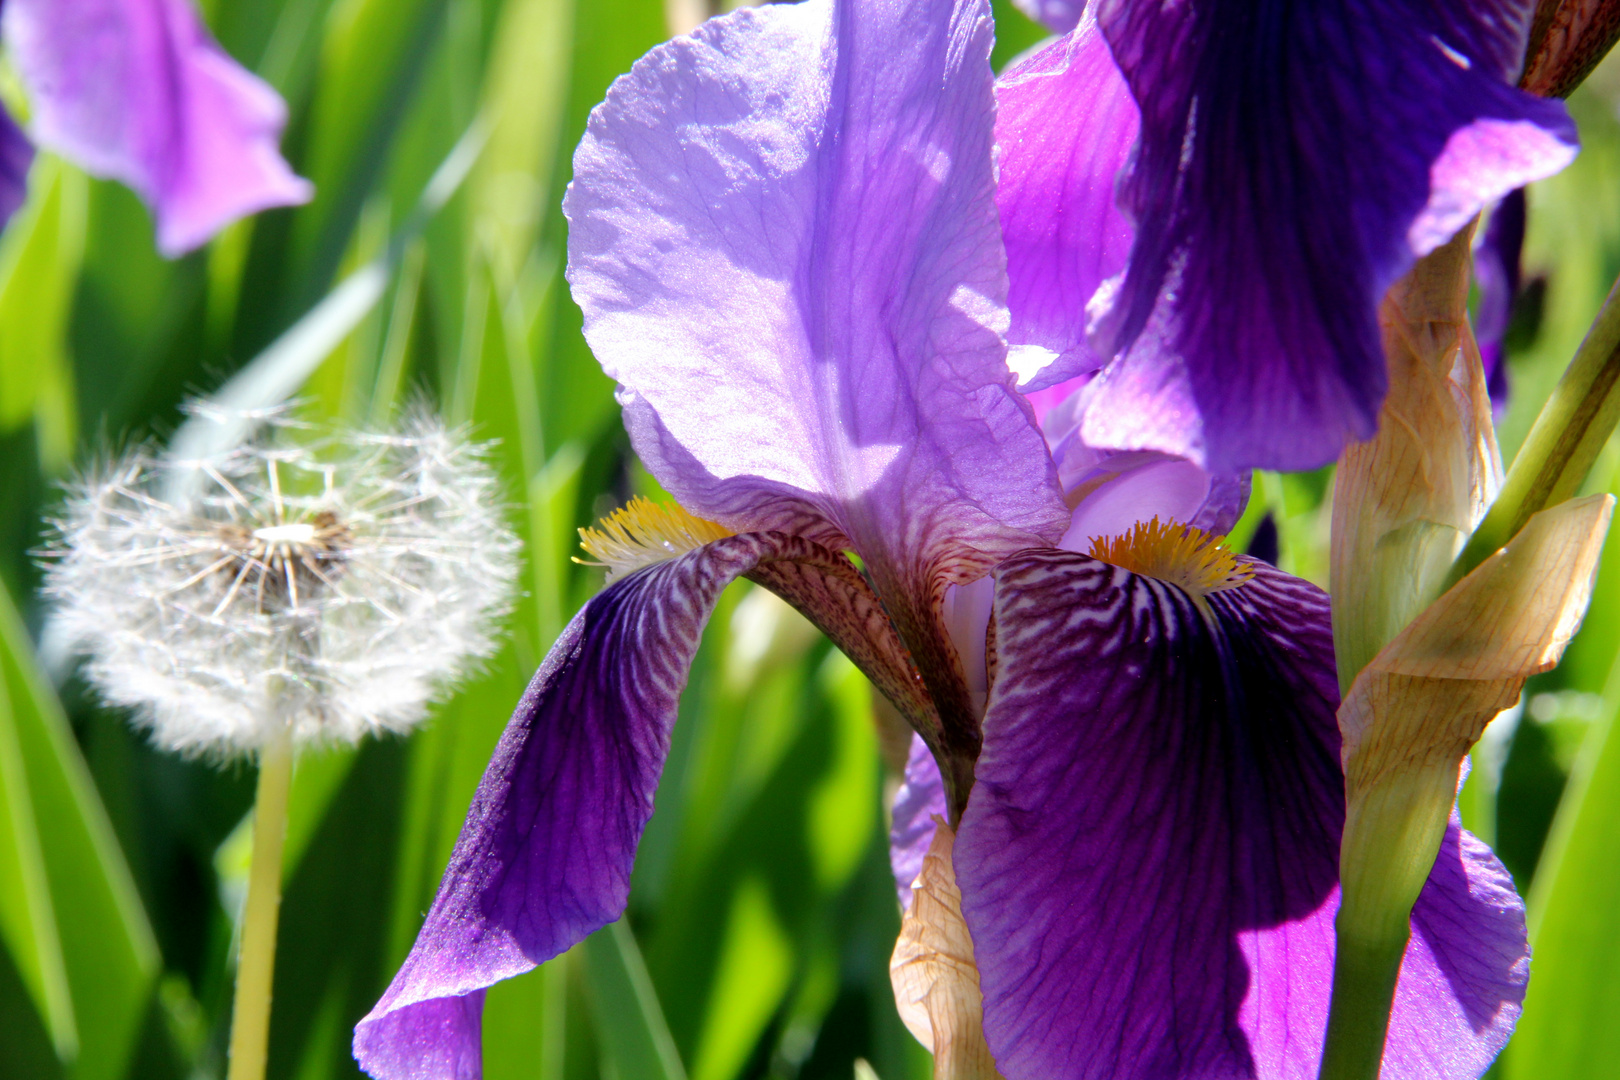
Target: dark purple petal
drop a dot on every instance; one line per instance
(139, 91)
(1498, 271)
(1266, 543)
(920, 798)
(16, 154)
(1333, 144)
(544, 857)
(1149, 859)
(784, 238)
(1065, 126)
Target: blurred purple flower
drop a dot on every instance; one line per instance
(16, 154)
(1498, 270)
(138, 91)
(787, 239)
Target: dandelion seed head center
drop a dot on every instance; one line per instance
(281, 567)
(643, 532)
(1190, 558)
(301, 533)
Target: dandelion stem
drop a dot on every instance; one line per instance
(255, 968)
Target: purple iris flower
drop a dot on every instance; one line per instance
(1294, 160)
(138, 91)
(787, 239)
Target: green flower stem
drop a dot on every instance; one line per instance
(1391, 838)
(1560, 449)
(255, 967)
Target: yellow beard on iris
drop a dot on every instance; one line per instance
(643, 532)
(1196, 561)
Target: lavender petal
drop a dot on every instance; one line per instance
(1065, 125)
(920, 798)
(1499, 272)
(784, 238)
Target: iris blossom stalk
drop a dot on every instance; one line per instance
(787, 236)
(140, 92)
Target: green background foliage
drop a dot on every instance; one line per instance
(762, 913)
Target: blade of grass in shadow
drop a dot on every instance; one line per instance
(107, 952)
(629, 1021)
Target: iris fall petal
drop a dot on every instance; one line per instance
(139, 91)
(1149, 859)
(545, 855)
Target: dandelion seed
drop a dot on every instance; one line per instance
(331, 585)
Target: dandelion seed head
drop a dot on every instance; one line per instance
(337, 584)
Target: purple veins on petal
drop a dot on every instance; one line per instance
(1149, 859)
(16, 155)
(545, 855)
(1266, 233)
(1065, 126)
(138, 91)
(784, 238)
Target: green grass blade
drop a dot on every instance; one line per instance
(107, 948)
(277, 372)
(629, 1021)
(1571, 1024)
(28, 925)
(40, 255)
(374, 53)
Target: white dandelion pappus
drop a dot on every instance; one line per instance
(335, 586)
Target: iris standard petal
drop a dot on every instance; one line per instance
(1065, 125)
(16, 155)
(1267, 231)
(545, 855)
(139, 91)
(784, 238)
(1149, 859)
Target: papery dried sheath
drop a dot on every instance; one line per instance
(936, 983)
(1405, 502)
